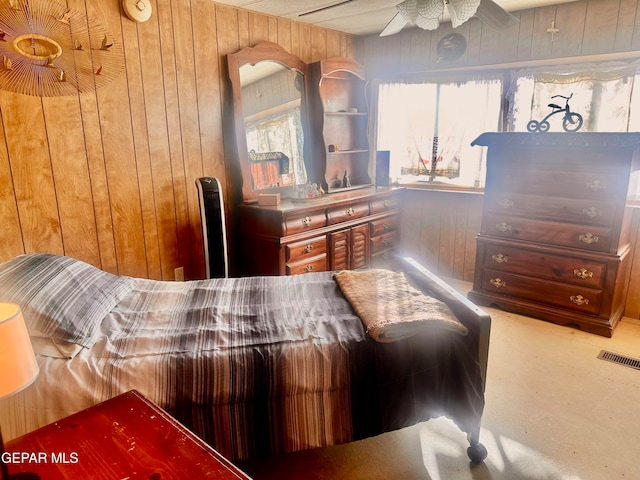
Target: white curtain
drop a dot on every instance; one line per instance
(603, 94)
(411, 115)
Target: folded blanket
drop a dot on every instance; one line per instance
(391, 307)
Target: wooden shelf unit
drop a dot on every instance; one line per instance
(338, 108)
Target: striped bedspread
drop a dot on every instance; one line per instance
(254, 366)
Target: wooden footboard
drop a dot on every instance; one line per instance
(473, 317)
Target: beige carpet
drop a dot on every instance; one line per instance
(553, 411)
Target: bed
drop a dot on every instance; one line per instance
(254, 366)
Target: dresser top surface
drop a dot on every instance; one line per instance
(328, 200)
(558, 139)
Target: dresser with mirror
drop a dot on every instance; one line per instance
(307, 204)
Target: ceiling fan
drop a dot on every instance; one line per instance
(426, 14)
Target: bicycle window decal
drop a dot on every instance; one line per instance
(571, 121)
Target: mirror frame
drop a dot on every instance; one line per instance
(263, 51)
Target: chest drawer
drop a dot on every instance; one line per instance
(313, 264)
(347, 212)
(595, 186)
(544, 265)
(304, 222)
(569, 297)
(552, 233)
(384, 225)
(306, 249)
(582, 211)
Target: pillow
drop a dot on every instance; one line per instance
(61, 297)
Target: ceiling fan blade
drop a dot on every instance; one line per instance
(495, 16)
(396, 24)
(325, 8)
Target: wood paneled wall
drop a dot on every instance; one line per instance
(109, 177)
(439, 228)
(586, 27)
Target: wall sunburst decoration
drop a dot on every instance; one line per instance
(49, 50)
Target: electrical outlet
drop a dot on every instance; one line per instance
(179, 274)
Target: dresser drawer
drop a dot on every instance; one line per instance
(306, 249)
(313, 264)
(347, 212)
(572, 210)
(595, 186)
(384, 204)
(386, 241)
(570, 297)
(304, 222)
(384, 225)
(543, 265)
(552, 233)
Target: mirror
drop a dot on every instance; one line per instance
(268, 86)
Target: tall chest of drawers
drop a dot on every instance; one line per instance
(554, 241)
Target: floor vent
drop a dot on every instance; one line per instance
(621, 359)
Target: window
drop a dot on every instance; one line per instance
(420, 121)
(602, 94)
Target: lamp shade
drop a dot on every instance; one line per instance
(18, 366)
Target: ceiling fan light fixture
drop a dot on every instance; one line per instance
(461, 10)
(430, 8)
(423, 13)
(427, 23)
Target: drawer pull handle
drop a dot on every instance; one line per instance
(351, 212)
(592, 212)
(596, 185)
(386, 242)
(506, 203)
(306, 221)
(500, 258)
(308, 268)
(498, 283)
(588, 238)
(386, 203)
(579, 300)
(504, 227)
(308, 248)
(386, 226)
(582, 273)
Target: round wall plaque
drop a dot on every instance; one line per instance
(451, 47)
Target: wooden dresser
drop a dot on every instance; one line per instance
(341, 231)
(554, 241)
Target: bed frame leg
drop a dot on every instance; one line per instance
(476, 451)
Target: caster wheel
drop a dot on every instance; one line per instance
(477, 453)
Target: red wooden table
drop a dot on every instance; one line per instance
(125, 438)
